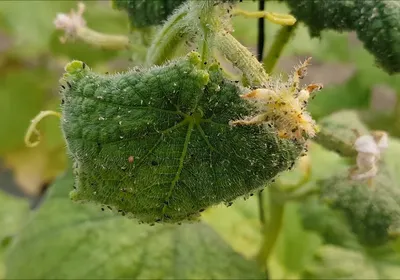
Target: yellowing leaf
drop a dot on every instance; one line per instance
(34, 167)
(239, 225)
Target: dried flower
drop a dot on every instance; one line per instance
(71, 22)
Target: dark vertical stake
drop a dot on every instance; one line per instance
(260, 52)
(261, 33)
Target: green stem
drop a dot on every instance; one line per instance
(208, 23)
(302, 192)
(261, 211)
(330, 142)
(278, 46)
(396, 114)
(101, 40)
(273, 228)
(167, 39)
(204, 50)
(242, 58)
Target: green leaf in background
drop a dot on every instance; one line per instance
(291, 254)
(337, 132)
(143, 13)
(25, 90)
(333, 262)
(30, 23)
(372, 211)
(239, 225)
(331, 225)
(377, 24)
(21, 98)
(392, 158)
(13, 213)
(71, 241)
(340, 97)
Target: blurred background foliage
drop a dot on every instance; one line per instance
(316, 240)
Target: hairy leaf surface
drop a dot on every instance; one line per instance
(157, 144)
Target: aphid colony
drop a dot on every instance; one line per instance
(283, 106)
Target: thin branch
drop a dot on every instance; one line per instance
(277, 47)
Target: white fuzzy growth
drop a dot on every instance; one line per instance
(383, 143)
(366, 144)
(369, 148)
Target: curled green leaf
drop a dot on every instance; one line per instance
(144, 13)
(376, 22)
(157, 144)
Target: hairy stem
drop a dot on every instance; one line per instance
(207, 22)
(167, 39)
(242, 58)
(277, 47)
